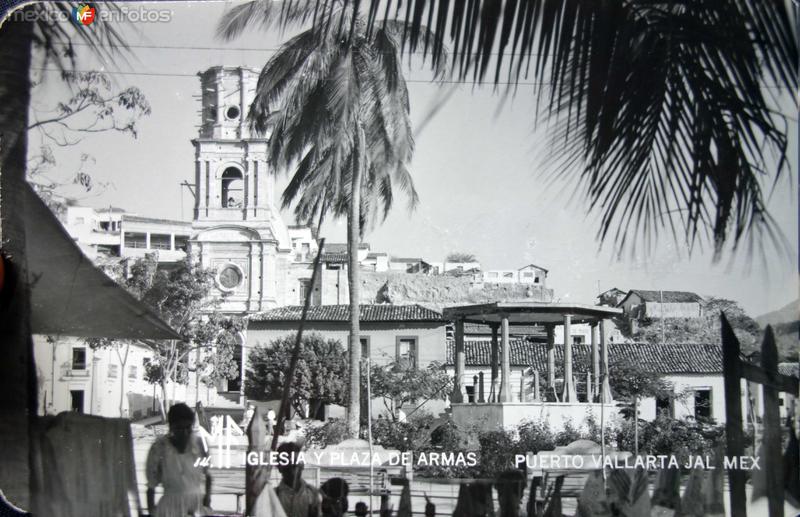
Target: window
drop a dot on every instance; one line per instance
(702, 403)
(577, 340)
(132, 371)
(135, 240)
(80, 220)
(232, 191)
(232, 113)
(302, 290)
(470, 394)
(407, 350)
(104, 225)
(230, 277)
(159, 241)
(527, 274)
(664, 406)
(181, 242)
(365, 348)
(78, 358)
(112, 371)
(493, 274)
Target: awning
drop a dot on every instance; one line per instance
(69, 295)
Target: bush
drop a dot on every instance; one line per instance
(413, 434)
(330, 433)
(535, 436)
(498, 449)
(681, 438)
(568, 434)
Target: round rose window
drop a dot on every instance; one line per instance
(230, 277)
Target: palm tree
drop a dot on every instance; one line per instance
(664, 112)
(335, 104)
(34, 25)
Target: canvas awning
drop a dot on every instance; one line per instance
(72, 297)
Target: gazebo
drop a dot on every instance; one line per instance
(499, 408)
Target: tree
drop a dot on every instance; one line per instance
(95, 106)
(662, 113)
(183, 298)
(320, 377)
(400, 383)
(630, 382)
(460, 256)
(336, 106)
(37, 24)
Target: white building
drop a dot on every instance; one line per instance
(530, 274)
(75, 377)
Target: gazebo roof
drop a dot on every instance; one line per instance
(527, 313)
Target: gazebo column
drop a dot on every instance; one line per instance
(457, 397)
(505, 375)
(569, 394)
(550, 390)
(605, 394)
(494, 390)
(595, 365)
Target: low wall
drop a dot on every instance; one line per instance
(487, 417)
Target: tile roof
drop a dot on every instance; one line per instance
(790, 369)
(369, 313)
(668, 358)
(514, 330)
(335, 257)
(669, 296)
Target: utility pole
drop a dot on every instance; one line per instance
(661, 294)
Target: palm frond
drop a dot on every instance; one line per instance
(623, 81)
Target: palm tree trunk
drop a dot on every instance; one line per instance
(636, 426)
(353, 240)
(18, 390)
(123, 360)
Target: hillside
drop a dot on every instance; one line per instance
(786, 324)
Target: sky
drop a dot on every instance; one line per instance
(478, 168)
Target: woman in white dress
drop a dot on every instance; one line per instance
(175, 462)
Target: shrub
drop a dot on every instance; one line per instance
(568, 434)
(678, 437)
(535, 436)
(413, 434)
(330, 433)
(498, 449)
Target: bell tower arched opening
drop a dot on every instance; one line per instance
(232, 191)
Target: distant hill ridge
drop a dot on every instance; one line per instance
(789, 313)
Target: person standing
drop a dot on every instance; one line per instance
(298, 498)
(176, 461)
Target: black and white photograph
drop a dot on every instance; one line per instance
(469, 258)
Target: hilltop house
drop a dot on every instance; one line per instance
(611, 297)
(639, 304)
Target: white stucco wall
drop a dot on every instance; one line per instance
(383, 344)
(101, 391)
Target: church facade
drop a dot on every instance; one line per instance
(238, 231)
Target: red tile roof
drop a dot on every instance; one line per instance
(369, 313)
(669, 296)
(668, 358)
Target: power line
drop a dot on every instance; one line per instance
(415, 81)
(174, 74)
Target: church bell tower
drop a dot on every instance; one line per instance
(239, 231)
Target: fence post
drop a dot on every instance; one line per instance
(732, 374)
(772, 426)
